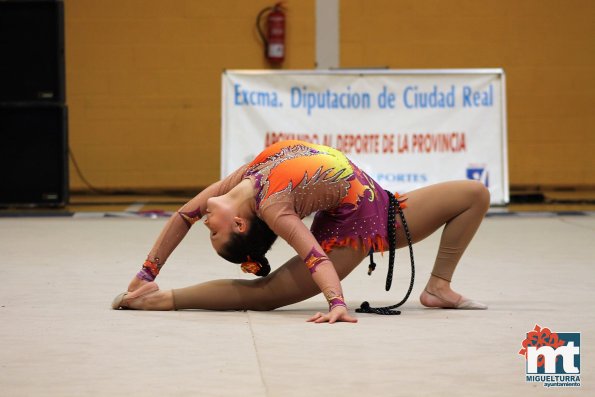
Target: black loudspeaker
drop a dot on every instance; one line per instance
(32, 51)
(33, 154)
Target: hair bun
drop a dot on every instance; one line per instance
(265, 269)
(258, 267)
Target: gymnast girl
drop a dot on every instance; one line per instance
(269, 197)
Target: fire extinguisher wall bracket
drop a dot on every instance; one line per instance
(274, 36)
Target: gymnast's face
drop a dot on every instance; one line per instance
(222, 221)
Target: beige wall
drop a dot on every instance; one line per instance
(144, 81)
(547, 48)
(144, 76)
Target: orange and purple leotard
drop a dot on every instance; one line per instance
(294, 179)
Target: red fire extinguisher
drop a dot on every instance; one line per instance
(274, 39)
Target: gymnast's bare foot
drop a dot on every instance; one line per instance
(439, 294)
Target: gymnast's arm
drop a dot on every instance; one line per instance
(178, 226)
(290, 227)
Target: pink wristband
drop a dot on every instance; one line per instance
(336, 301)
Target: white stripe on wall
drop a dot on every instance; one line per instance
(327, 34)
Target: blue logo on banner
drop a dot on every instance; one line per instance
(478, 173)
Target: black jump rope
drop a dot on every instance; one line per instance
(393, 207)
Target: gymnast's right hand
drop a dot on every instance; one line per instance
(337, 314)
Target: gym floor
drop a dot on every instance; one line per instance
(59, 336)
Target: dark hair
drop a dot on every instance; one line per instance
(251, 246)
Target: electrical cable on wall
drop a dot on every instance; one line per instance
(95, 190)
(92, 188)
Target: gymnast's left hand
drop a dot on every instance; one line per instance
(338, 314)
(135, 284)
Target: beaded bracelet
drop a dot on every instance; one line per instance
(150, 270)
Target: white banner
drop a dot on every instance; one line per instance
(405, 128)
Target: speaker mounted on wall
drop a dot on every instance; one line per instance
(32, 51)
(33, 154)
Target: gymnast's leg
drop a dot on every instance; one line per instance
(289, 284)
(460, 206)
